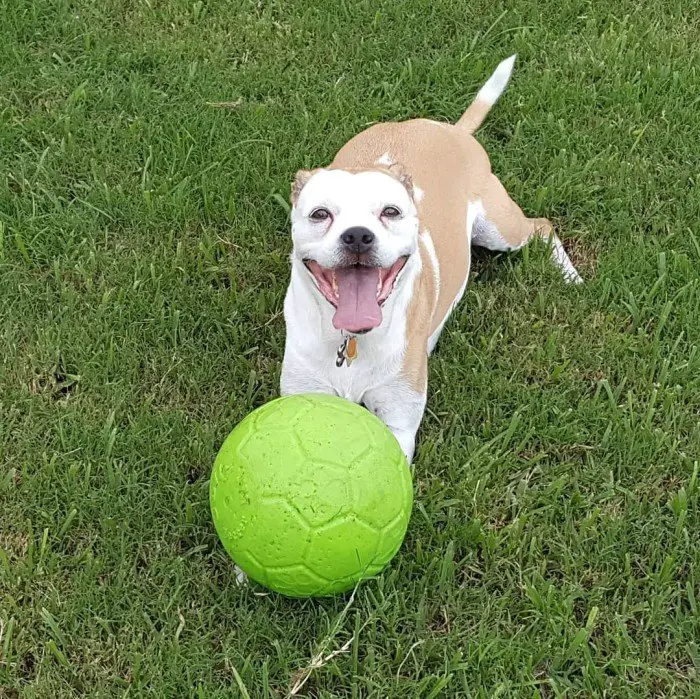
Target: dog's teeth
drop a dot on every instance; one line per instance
(334, 284)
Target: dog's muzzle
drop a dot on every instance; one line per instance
(357, 239)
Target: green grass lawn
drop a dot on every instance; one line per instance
(146, 150)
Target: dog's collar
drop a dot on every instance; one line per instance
(347, 351)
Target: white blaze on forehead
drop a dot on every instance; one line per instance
(340, 189)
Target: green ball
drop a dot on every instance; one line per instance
(311, 494)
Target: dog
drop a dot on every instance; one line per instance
(381, 256)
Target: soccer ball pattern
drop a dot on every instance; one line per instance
(310, 494)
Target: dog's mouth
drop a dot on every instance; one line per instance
(357, 292)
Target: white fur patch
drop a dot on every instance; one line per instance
(494, 86)
(563, 262)
(484, 232)
(384, 159)
(241, 577)
(418, 194)
(430, 247)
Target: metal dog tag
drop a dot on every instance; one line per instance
(351, 350)
(340, 359)
(347, 352)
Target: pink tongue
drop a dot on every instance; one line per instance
(357, 299)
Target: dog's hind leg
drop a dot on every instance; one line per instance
(501, 225)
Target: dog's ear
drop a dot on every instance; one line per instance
(302, 177)
(402, 175)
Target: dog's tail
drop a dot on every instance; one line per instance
(493, 88)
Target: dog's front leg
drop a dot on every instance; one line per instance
(401, 409)
(297, 377)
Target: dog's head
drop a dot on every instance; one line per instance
(354, 231)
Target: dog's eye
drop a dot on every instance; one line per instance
(320, 214)
(391, 212)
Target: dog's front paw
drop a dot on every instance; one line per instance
(241, 577)
(407, 442)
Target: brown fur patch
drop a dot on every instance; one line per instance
(472, 119)
(302, 177)
(398, 170)
(420, 310)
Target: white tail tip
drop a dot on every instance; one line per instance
(494, 86)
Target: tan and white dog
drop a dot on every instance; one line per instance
(381, 256)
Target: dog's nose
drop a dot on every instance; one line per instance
(358, 239)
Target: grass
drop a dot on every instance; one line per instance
(143, 244)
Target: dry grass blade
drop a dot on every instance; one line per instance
(320, 658)
(226, 105)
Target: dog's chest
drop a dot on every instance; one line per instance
(374, 365)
